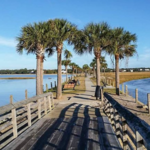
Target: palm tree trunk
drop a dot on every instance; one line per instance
(98, 71)
(59, 88)
(66, 73)
(38, 83)
(117, 74)
(94, 71)
(104, 75)
(41, 72)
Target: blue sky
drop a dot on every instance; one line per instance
(133, 15)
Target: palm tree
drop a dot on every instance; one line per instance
(66, 63)
(122, 46)
(92, 64)
(72, 65)
(67, 55)
(94, 38)
(33, 39)
(76, 67)
(104, 66)
(85, 68)
(62, 31)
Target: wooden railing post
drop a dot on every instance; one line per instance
(51, 85)
(124, 134)
(112, 115)
(148, 102)
(29, 114)
(26, 94)
(45, 106)
(11, 99)
(52, 101)
(14, 123)
(122, 88)
(117, 124)
(139, 141)
(136, 95)
(50, 104)
(113, 83)
(126, 90)
(39, 108)
(101, 94)
(46, 88)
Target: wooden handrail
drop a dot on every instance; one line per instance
(9, 107)
(17, 117)
(124, 119)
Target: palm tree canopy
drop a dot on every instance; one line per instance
(72, 65)
(85, 66)
(92, 64)
(94, 37)
(61, 30)
(76, 66)
(33, 38)
(122, 43)
(66, 62)
(104, 65)
(67, 54)
(102, 60)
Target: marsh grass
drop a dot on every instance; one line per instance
(128, 76)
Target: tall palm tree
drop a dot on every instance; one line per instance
(66, 63)
(122, 46)
(85, 67)
(72, 65)
(92, 64)
(67, 55)
(33, 39)
(76, 67)
(62, 31)
(94, 38)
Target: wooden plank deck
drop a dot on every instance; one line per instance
(78, 127)
(77, 124)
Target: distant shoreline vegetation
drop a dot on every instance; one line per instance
(17, 78)
(29, 71)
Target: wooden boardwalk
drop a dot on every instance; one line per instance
(77, 124)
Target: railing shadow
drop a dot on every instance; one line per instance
(86, 130)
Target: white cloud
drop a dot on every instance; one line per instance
(10, 42)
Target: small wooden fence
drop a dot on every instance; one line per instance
(132, 132)
(16, 118)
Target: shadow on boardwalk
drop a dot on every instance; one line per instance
(78, 127)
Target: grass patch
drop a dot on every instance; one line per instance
(78, 88)
(110, 91)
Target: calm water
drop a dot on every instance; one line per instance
(143, 86)
(17, 87)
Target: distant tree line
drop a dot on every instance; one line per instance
(29, 71)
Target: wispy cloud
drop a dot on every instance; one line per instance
(9, 42)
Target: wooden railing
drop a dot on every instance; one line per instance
(15, 118)
(132, 132)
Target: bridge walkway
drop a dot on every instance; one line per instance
(75, 124)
